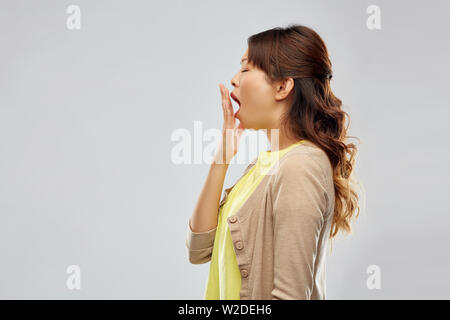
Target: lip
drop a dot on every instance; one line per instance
(233, 96)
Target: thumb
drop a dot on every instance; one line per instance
(239, 132)
(241, 126)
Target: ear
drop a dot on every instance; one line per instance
(283, 88)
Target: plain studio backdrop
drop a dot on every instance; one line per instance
(87, 174)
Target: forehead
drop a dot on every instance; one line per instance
(244, 57)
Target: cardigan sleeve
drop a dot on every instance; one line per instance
(200, 245)
(299, 204)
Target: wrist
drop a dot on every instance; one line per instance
(218, 160)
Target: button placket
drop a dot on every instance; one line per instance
(240, 254)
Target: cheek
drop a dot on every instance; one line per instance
(254, 92)
(256, 109)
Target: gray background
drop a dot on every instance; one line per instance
(86, 116)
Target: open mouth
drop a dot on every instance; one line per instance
(237, 101)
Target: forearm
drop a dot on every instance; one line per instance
(206, 211)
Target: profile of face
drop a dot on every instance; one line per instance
(261, 103)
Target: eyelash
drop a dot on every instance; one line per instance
(244, 70)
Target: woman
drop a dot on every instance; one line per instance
(268, 236)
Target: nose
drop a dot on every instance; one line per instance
(234, 80)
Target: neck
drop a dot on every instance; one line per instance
(279, 139)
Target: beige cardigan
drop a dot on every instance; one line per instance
(281, 233)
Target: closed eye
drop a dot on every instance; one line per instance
(244, 70)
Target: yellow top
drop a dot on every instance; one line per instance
(224, 281)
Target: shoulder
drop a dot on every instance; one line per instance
(306, 161)
(306, 156)
(300, 183)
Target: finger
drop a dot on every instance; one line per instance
(229, 109)
(224, 101)
(221, 87)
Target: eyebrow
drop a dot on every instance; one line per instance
(242, 60)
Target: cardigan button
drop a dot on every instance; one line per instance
(244, 273)
(233, 219)
(239, 245)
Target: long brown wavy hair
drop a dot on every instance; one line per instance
(316, 114)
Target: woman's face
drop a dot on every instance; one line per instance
(256, 96)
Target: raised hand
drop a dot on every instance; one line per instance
(231, 132)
